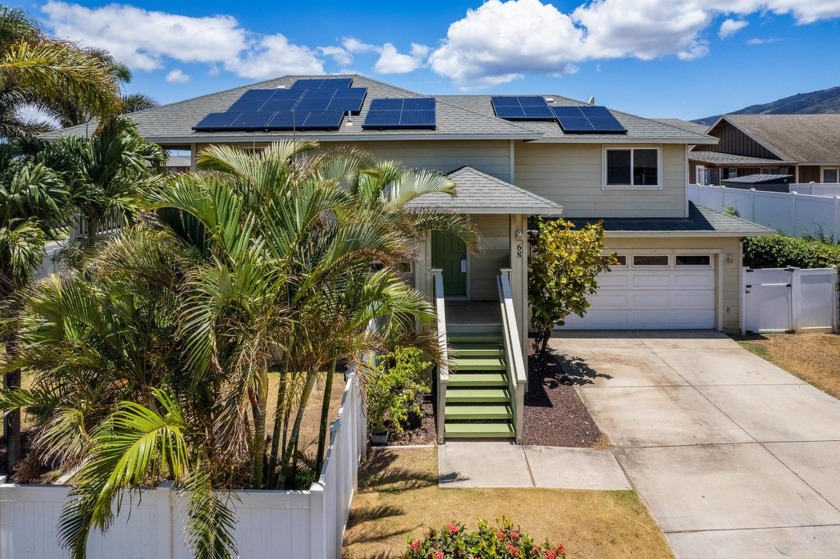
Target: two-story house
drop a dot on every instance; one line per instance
(510, 157)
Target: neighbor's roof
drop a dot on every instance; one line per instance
(479, 193)
(813, 139)
(758, 179)
(701, 222)
(685, 125)
(730, 159)
(457, 117)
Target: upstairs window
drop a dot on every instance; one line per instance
(632, 168)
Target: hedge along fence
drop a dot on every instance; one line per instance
(780, 252)
(277, 524)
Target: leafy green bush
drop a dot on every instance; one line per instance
(395, 386)
(503, 542)
(780, 251)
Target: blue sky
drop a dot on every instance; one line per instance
(656, 58)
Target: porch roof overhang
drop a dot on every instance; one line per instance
(480, 193)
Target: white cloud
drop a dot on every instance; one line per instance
(731, 26)
(177, 76)
(393, 62)
(355, 46)
(144, 39)
(499, 41)
(338, 54)
(761, 41)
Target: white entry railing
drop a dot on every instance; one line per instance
(517, 373)
(789, 300)
(443, 368)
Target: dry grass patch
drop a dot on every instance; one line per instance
(815, 358)
(399, 497)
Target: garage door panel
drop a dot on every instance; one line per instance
(696, 280)
(634, 298)
(650, 280)
(650, 301)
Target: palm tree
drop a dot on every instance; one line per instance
(49, 74)
(34, 204)
(106, 174)
(155, 362)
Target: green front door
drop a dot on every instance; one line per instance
(448, 251)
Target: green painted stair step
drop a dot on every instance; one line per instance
(478, 364)
(474, 338)
(477, 395)
(477, 379)
(477, 350)
(468, 412)
(479, 430)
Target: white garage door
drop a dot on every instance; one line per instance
(653, 291)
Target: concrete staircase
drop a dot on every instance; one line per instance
(478, 399)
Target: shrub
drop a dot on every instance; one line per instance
(503, 542)
(395, 386)
(779, 252)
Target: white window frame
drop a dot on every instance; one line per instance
(657, 186)
(824, 169)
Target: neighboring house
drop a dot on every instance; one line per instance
(767, 183)
(178, 164)
(679, 264)
(804, 146)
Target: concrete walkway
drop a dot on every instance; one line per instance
(734, 456)
(502, 464)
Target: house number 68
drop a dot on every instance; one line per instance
(519, 250)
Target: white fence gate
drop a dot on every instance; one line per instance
(792, 214)
(276, 524)
(789, 300)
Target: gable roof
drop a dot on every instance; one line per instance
(731, 159)
(813, 139)
(480, 193)
(701, 222)
(685, 125)
(458, 117)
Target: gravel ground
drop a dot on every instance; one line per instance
(554, 413)
(422, 433)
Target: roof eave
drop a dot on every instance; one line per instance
(707, 234)
(333, 138)
(465, 210)
(619, 139)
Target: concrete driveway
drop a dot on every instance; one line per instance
(735, 457)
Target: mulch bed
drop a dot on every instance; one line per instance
(554, 413)
(422, 431)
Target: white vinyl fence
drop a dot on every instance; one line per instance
(795, 215)
(276, 524)
(789, 300)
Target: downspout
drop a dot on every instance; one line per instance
(512, 168)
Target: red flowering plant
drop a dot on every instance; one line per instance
(504, 541)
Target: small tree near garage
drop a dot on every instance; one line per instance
(564, 265)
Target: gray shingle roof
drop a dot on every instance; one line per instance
(457, 116)
(813, 139)
(700, 221)
(758, 178)
(685, 125)
(719, 158)
(479, 193)
(638, 128)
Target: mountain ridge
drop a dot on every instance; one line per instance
(815, 102)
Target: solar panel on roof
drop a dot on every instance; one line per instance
(587, 119)
(322, 121)
(409, 113)
(530, 107)
(251, 121)
(331, 83)
(215, 121)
